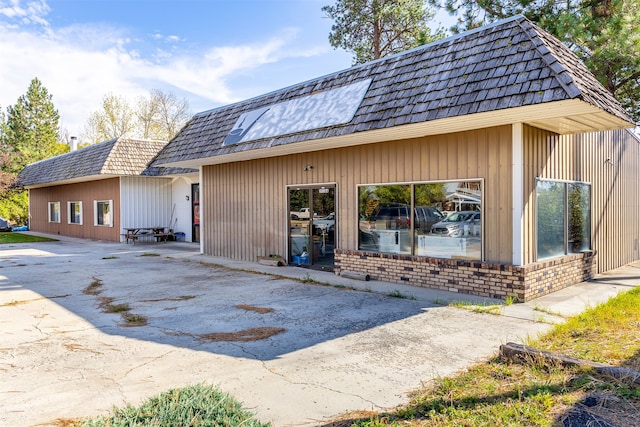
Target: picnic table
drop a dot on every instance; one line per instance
(134, 234)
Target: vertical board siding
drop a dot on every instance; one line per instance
(146, 202)
(609, 161)
(87, 193)
(246, 202)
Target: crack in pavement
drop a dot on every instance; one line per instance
(323, 387)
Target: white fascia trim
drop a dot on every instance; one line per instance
(517, 180)
(200, 182)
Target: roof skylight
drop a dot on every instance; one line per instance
(328, 108)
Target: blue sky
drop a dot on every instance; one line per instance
(211, 52)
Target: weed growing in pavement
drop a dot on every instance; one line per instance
(549, 311)
(133, 319)
(94, 287)
(396, 294)
(110, 257)
(308, 279)
(116, 308)
(150, 254)
(484, 307)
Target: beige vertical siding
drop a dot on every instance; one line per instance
(615, 187)
(245, 212)
(87, 192)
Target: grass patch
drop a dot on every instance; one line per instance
(94, 287)
(149, 254)
(537, 394)
(548, 311)
(197, 405)
(485, 307)
(22, 238)
(116, 308)
(131, 319)
(396, 294)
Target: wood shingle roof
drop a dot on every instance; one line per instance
(116, 157)
(509, 65)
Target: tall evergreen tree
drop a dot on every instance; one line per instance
(372, 29)
(29, 134)
(31, 129)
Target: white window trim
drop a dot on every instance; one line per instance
(95, 213)
(69, 212)
(49, 212)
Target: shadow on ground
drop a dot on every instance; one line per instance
(160, 293)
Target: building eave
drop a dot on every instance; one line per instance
(554, 117)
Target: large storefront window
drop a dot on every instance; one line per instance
(438, 219)
(563, 218)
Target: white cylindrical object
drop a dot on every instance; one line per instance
(355, 275)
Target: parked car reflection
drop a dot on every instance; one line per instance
(458, 224)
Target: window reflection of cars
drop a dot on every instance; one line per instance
(426, 217)
(458, 224)
(392, 217)
(397, 217)
(326, 223)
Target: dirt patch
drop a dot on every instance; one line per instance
(253, 334)
(178, 298)
(261, 310)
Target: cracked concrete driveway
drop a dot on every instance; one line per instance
(326, 349)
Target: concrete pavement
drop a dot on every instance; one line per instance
(332, 349)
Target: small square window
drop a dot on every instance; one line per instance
(75, 213)
(103, 213)
(54, 211)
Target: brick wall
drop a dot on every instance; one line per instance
(483, 279)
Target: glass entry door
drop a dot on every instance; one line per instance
(312, 226)
(195, 212)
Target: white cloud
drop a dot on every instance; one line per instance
(80, 63)
(29, 12)
(167, 39)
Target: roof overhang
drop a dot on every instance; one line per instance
(69, 181)
(562, 117)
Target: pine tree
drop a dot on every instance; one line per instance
(31, 129)
(29, 133)
(373, 29)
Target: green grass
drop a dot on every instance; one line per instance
(22, 238)
(131, 319)
(503, 393)
(94, 287)
(197, 405)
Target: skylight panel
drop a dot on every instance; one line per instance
(328, 108)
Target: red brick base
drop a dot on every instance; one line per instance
(483, 279)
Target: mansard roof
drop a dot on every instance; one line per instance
(508, 72)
